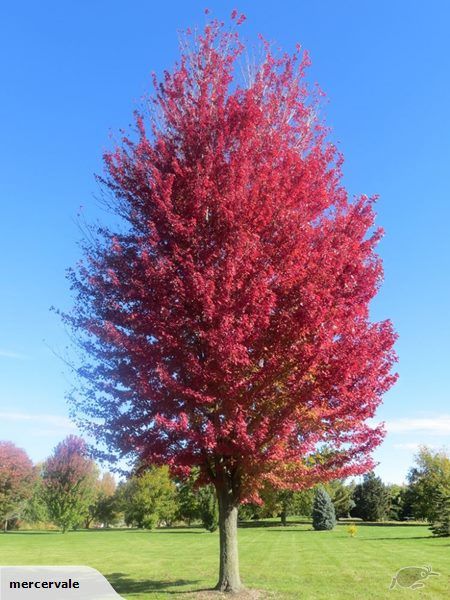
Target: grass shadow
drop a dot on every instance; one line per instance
(291, 529)
(381, 523)
(270, 524)
(404, 539)
(185, 531)
(126, 585)
(25, 532)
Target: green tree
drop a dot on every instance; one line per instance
(323, 514)
(431, 473)
(209, 509)
(286, 498)
(149, 499)
(69, 477)
(284, 503)
(400, 502)
(197, 502)
(302, 502)
(249, 512)
(396, 501)
(342, 497)
(103, 508)
(440, 524)
(35, 510)
(274, 502)
(187, 498)
(371, 499)
(107, 510)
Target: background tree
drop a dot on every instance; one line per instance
(197, 503)
(274, 502)
(396, 501)
(278, 502)
(69, 478)
(371, 499)
(187, 498)
(16, 481)
(440, 525)
(284, 503)
(406, 500)
(149, 499)
(209, 512)
(286, 499)
(341, 496)
(303, 502)
(323, 516)
(249, 512)
(106, 509)
(35, 509)
(226, 321)
(431, 473)
(102, 500)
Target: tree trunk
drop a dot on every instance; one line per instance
(284, 517)
(229, 578)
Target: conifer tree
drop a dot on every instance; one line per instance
(372, 499)
(323, 514)
(440, 525)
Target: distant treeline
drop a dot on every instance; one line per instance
(68, 491)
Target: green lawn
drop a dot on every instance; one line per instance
(291, 562)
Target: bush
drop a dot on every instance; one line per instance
(323, 514)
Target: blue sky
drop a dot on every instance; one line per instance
(72, 74)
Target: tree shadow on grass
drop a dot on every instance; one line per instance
(290, 529)
(270, 524)
(178, 531)
(404, 539)
(126, 585)
(50, 532)
(359, 523)
(165, 530)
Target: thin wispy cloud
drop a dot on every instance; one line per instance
(439, 425)
(409, 446)
(49, 420)
(13, 355)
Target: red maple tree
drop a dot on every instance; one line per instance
(227, 323)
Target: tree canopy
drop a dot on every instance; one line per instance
(69, 481)
(226, 323)
(429, 475)
(16, 479)
(371, 498)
